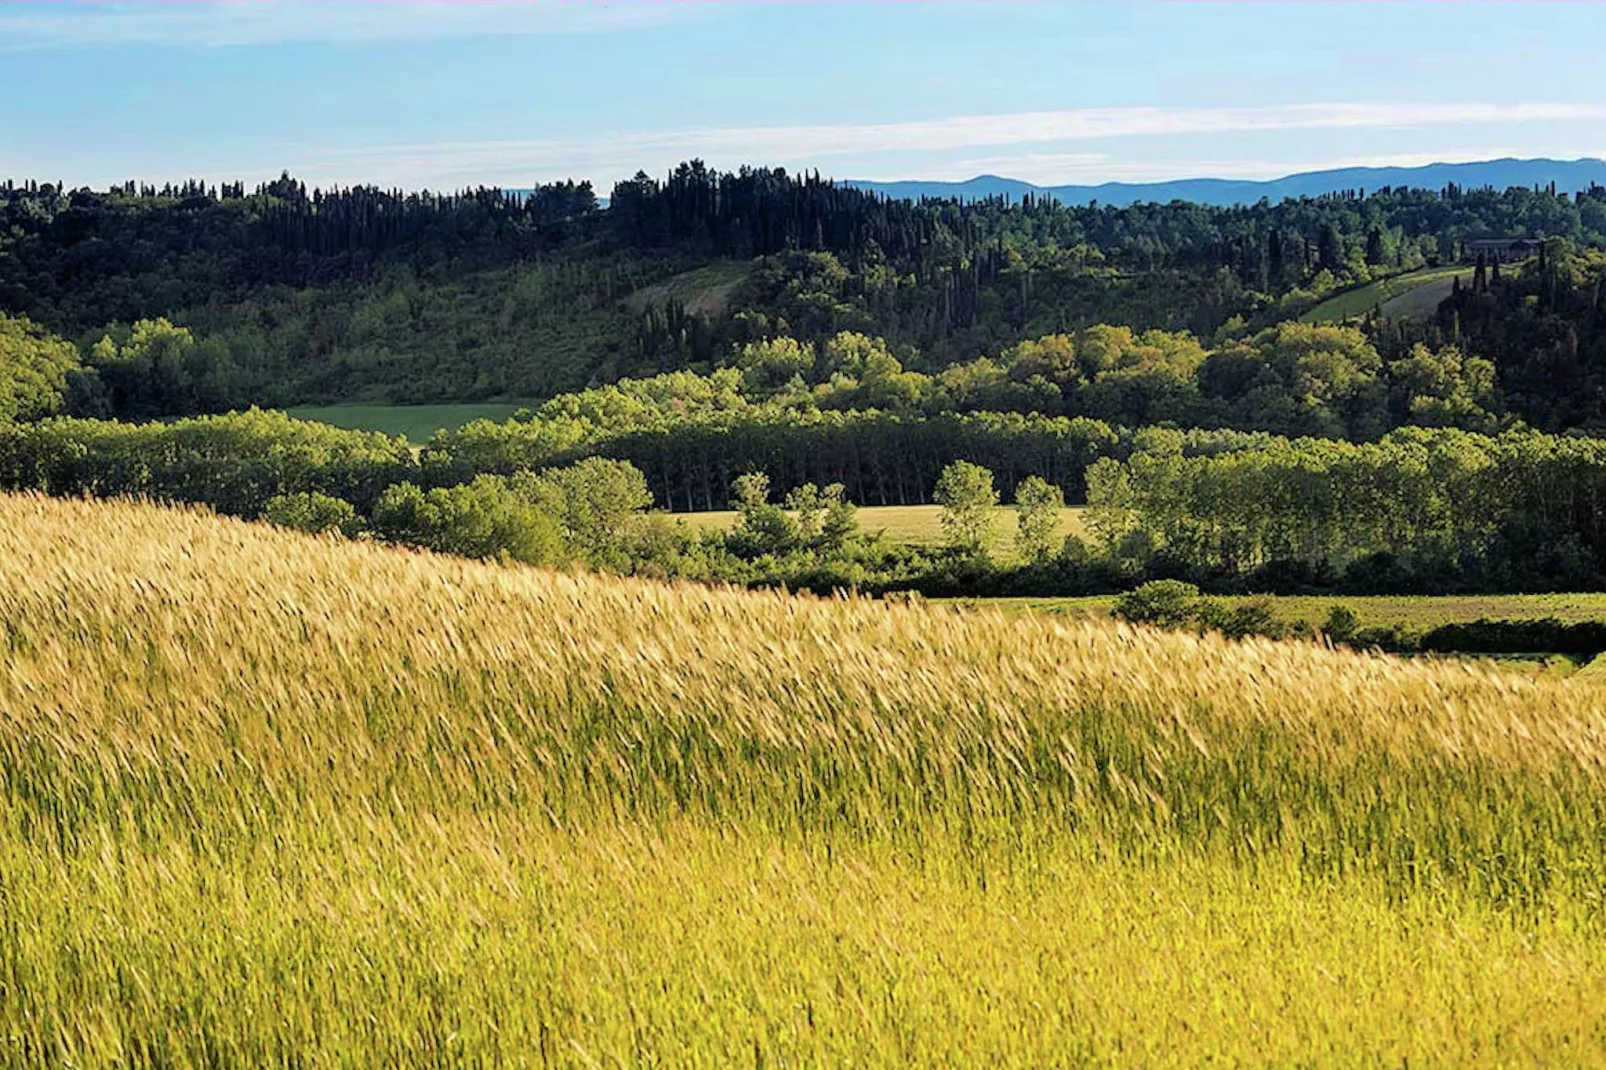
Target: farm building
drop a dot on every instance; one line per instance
(1503, 250)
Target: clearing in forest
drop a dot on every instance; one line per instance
(1414, 294)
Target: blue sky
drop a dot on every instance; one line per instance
(446, 94)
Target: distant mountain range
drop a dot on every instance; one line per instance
(1569, 175)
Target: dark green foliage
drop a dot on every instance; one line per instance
(1253, 616)
(1582, 639)
(1543, 330)
(297, 296)
(1342, 624)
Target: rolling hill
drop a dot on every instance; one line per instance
(326, 802)
(1500, 174)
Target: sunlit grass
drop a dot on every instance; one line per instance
(1416, 613)
(265, 798)
(914, 524)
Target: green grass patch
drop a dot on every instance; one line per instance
(1417, 613)
(1358, 302)
(705, 290)
(416, 423)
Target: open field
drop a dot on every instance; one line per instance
(1424, 289)
(706, 290)
(416, 423)
(1417, 613)
(916, 524)
(326, 803)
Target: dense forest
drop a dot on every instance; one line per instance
(297, 296)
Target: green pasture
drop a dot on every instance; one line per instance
(1358, 302)
(416, 423)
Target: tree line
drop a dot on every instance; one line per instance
(1420, 511)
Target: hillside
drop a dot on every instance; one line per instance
(337, 803)
(1495, 174)
(300, 297)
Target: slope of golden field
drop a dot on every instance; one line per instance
(265, 798)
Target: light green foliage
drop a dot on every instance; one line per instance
(34, 370)
(1444, 388)
(762, 527)
(988, 385)
(1111, 505)
(592, 511)
(313, 512)
(600, 504)
(1302, 379)
(826, 521)
(491, 517)
(967, 496)
(1038, 507)
(769, 365)
(863, 374)
(814, 521)
(1444, 500)
(234, 463)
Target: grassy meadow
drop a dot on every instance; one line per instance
(266, 798)
(415, 423)
(1417, 613)
(1359, 301)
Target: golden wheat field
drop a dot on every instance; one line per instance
(266, 799)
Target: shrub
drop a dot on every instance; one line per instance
(488, 518)
(1167, 603)
(313, 512)
(1341, 624)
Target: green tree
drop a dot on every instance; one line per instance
(761, 528)
(770, 365)
(599, 502)
(313, 512)
(1342, 624)
(1038, 504)
(1111, 505)
(34, 370)
(490, 517)
(967, 496)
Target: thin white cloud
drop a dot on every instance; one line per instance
(256, 22)
(608, 157)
